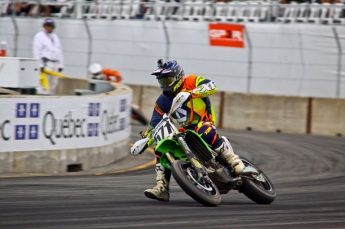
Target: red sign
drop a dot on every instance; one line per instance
(226, 35)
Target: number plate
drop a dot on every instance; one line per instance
(163, 130)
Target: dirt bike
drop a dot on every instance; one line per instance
(198, 169)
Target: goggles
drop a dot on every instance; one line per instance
(166, 82)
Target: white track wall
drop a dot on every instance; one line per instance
(281, 59)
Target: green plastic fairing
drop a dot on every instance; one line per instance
(170, 146)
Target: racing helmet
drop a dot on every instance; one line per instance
(49, 22)
(170, 76)
(95, 69)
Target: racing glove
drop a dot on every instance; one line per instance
(140, 146)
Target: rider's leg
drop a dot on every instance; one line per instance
(222, 146)
(225, 151)
(161, 190)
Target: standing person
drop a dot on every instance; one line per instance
(199, 116)
(47, 48)
(104, 74)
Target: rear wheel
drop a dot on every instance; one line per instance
(259, 192)
(203, 191)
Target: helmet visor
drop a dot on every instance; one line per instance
(166, 81)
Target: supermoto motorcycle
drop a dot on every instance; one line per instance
(198, 170)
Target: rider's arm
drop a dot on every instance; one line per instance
(159, 109)
(155, 119)
(200, 87)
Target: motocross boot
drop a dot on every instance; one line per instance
(161, 191)
(225, 151)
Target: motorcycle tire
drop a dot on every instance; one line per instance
(184, 173)
(259, 192)
(137, 115)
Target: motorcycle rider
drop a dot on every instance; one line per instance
(197, 114)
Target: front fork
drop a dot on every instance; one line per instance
(201, 171)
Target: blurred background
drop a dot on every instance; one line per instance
(289, 47)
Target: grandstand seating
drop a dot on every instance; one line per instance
(220, 11)
(314, 14)
(198, 10)
(338, 16)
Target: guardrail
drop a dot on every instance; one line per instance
(287, 114)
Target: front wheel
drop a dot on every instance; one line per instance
(205, 192)
(259, 192)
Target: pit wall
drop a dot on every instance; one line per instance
(49, 134)
(241, 111)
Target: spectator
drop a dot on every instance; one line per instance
(21, 8)
(53, 8)
(46, 9)
(47, 48)
(104, 74)
(142, 9)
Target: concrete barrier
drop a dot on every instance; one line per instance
(328, 117)
(216, 100)
(51, 134)
(59, 161)
(66, 86)
(148, 99)
(271, 113)
(265, 113)
(137, 93)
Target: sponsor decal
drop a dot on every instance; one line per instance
(122, 105)
(33, 132)
(4, 129)
(20, 132)
(21, 110)
(94, 109)
(92, 129)
(34, 110)
(108, 123)
(122, 123)
(226, 35)
(67, 127)
(33, 121)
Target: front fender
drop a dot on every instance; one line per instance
(173, 147)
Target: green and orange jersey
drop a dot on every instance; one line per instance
(197, 109)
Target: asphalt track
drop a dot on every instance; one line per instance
(308, 173)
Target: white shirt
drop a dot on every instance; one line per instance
(49, 46)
